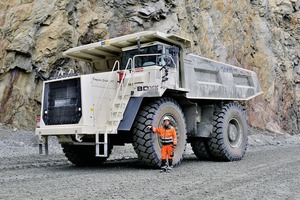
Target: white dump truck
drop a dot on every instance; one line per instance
(139, 79)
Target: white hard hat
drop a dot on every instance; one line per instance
(166, 118)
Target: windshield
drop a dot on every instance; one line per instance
(143, 61)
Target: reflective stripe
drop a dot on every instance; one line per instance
(167, 140)
(168, 136)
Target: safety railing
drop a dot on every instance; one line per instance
(121, 84)
(117, 64)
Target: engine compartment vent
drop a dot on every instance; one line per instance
(62, 102)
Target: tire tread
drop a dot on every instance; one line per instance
(216, 146)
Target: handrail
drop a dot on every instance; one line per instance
(121, 81)
(117, 63)
(123, 95)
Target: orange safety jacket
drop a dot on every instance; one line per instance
(168, 136)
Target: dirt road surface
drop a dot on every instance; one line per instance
(269, 170)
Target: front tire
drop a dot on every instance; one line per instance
(229, 138)
(81, 155)
(147, 144)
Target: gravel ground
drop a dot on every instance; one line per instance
(269, 170)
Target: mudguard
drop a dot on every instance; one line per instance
(130, 113)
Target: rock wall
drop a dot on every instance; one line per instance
(259, 35)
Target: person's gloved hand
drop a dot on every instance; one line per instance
(149, 127)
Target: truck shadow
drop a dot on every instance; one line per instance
(132, 163)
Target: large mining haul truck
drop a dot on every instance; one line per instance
(139, 79)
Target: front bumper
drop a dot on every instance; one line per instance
(65, 130)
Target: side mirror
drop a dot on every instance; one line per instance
(137, 62)
(168, 61)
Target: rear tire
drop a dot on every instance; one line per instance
(81, 155)
(147, 144)
(229, 138)
(200, 148)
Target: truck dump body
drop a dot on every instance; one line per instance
(209, 79)
(103, 54)
(204, 78)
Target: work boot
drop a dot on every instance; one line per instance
(170, 167)
(163, 165)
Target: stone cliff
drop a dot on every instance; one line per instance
(259, 35)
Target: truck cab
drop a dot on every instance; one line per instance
(155, 64)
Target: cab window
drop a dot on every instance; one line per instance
(143, 61)
(172, 52)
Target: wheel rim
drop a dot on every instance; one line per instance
(234, 133)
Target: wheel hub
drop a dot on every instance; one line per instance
(233, 132)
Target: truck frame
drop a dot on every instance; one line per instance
(139, 79)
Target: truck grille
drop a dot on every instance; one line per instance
(62, 102)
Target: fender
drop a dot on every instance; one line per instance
(130, 113)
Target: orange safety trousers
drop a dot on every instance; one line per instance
(167, 151)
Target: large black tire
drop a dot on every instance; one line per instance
(200, 148)
(147, 144)
(230, 133)
(81, 155)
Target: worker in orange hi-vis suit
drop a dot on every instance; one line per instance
(169, 142)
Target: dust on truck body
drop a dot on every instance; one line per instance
(139, 79)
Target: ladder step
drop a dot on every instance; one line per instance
(116, 117)
(101, 144)
(116, 112)
(127, 96)
(111, 127)
(118, 104)
(111, 130)
(115, 120)
(105, 150)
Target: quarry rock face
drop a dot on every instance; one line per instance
(259, 35)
